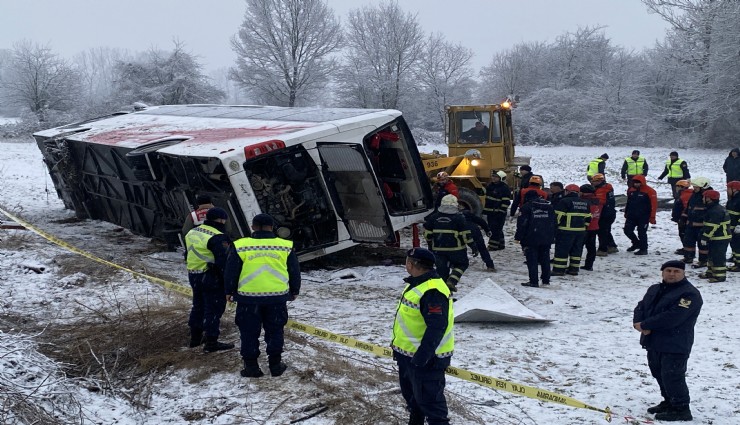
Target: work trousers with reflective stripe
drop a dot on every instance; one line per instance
(669, 369)
(568, 246)
(692, 240)
(496, 223)
(717, 264)
(252, 318)
(209, 303)
(451, 264)
(735, 244)
(606, 239)
(641, 239)
(423, 390)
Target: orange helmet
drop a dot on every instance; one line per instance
(535, 180)
(683, 183)
(597, 177)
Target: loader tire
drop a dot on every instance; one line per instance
(469, 201)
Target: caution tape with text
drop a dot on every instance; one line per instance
(484, 380)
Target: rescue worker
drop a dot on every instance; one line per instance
(733, 208)
(716, 235)
(535, 184)
(572, 216)
(535, 231)
(732, 165)
(423, 339)
(676, 169)
(556, 192)
(498, 198)
(525, 173)
(478, 246)
(262, 275)
(203, 203)
(642, 204)
(695, 212)
(207, 247)
(665, 319)
(678, 213)
(634, 165)
(596, 166)
(447, 235)
(588, 194)
(605, 194)
(444, 186)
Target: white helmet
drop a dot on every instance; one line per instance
(701, 182)
(501, 174)
(449, 200)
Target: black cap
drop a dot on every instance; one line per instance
(422, 254)
(530, 195)
(635, 152)
(674, 153)
(604, 156)
(203, 199)
(215, 213)
(263, 220)
(675, 264)
(587, 188)
(525, 167)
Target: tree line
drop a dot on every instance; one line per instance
(579, 89)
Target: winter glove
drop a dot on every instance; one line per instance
(737, 230)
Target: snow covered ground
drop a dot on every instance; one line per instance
(590, 352)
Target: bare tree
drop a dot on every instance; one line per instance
(284, 49)
(40, 81)
(384, 46)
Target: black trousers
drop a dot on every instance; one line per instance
(252, 318)
(423, 390)
(672, 181)
(480, 245)
(209, 304)
(606, 239)
(568, 248)
(735, 245)
(590, 244)
(496, 224)
(692, 240)
(538, 255)
(641, 239)
(452, 264)
(669, 369)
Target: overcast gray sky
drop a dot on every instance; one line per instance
(487, 26)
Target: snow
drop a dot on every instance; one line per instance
(590, 352)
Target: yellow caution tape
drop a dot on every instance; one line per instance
(484, 380)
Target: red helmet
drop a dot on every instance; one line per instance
(573, 188)
(711, 194)
(735, 185)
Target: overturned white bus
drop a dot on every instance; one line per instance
(329, 177)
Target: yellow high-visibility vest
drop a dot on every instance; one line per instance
(674, 169)
(264, 266)
(409, 326)
(196, 242)
(635, 167)
(593, 166)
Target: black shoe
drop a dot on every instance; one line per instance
(277, 367)
(573, 271)
(633, 248)
(558, 272)
(674, 414)
(715, 279)
(663, 406)
(251, 369)
(687, 260)
(641, 252)
(491, 269)
(735, 268)
(602, 253)
(196, 337)
(546, 283)
(612, 250)
(212, 345)
(679, 251)
(699, 265)
(587, 268)
(529, 284)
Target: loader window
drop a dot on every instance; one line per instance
(476, 127)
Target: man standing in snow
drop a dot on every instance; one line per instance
(535, 231)
(447, 234)
(676, 169)
(634, 165)
(196, 218)
(642, 204)
(596, 166)
(732, 165)
(423, 339)
(665, 319)
(498, 198)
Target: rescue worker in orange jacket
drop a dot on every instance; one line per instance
(678, 214)
(695, 212)
(588, 194)
(444, 186)
(605, 194)
(642, 204)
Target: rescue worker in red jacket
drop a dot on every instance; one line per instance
(695, 212)
(733, 208)
(535, 184)
(642, 204)
(605, 194)
(444, 186)
(716, 234)
(678, 214)
(588, 194)
(572, 215)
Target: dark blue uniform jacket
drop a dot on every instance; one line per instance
(536, 223)
(219, 245)
(670, 312)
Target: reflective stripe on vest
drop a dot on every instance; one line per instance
(568, 217)
(593, 166)
(264, 266)
(409, 326)
(635, 167)
(674, 170)
(718, 232)
(197, 242)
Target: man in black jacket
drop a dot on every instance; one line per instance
(447, 235)
(573, 216)
(732, 165)
(498, 198)
(535, 231)
(665, 318)
(475, 224)
(716, 235)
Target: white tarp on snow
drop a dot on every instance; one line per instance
(488, 302)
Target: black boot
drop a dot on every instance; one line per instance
(660, 407)
(416, 418)
(277, 367)
(196, 337)
(251, 369)
(674, 414)
(213, 345)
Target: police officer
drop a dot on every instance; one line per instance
(733, 208)
(596, 166)
(498, 198)
(423, 339)
(535, 231)
(676, 169)
(665, 319)
(716, 234)
(262, 275)
(206, 248)
(634, 165)
(573, 215)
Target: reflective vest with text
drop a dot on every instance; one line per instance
(264, 266)
(409, 326)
